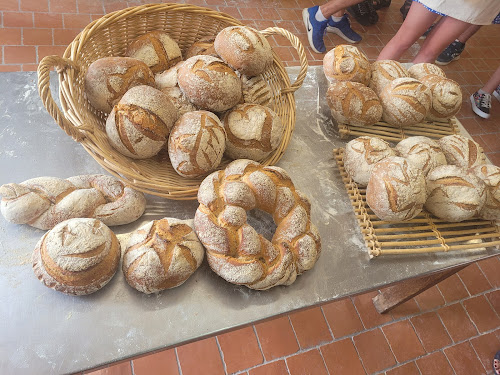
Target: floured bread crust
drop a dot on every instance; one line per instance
(446, 97)
(203, 46)
(419, 71)
(256, 90)
(346, 63)
(462, 151)
(490, 175)
(384, 72)
(424, 153)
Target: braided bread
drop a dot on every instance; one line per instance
(43, 202)
(235, 251)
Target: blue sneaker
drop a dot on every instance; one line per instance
(315, 29)
(343, 29)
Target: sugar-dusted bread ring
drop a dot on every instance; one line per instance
(235, 251)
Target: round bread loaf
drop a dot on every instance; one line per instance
(346, 63)
(454, 194)
(235, 251)
(396, 190)
(384, 72)
(168, 78)
(446, 97)
(424, 153)
(353, 103)
(244, 49)
(161, 254)
(109, 78)
(256, 90)
(209, 83)
(156, 49)
(462, 151)
(179, 100)
(419, 71)
(361, 154)
(253, 131)
(490, 175)
(139, 124)
(405, 102)
(196, 143)
(78, 256)
(204, 46)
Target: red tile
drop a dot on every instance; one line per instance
(310, 327)
(90, 6)
(491, 268)
(50, 50)
(406, 369)
(481, 313)
(452, 289)
(341, 358)
(76, 21)
(34, 37)
(10, 36)
(434, 364)
(203, 353)
(486, 347)
(307, 363)
(463, 359)
(35, 5)
(474, 280)
(232, 11)
(47, 20)
(494, 299)
(342, 317)
(62, 6)
(456, 322)
(9, 4)
(63, 37)
(164, 362)
(277, 338)
(29, 67)
(17, 19)
(250, 13)
(374, 350)
(369, 316)
(407, 308)
(431, 331)
(240, 349)
(273, 368)
(403, 340)
(19, 54)
(10, 68)
(112, 6)
(122, 368)
(430, 299)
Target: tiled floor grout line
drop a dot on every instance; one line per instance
(221, 353)
(357, 352)
(179, 368)
(258, 341)
(331, 334)
(357, 312)
(132, 367)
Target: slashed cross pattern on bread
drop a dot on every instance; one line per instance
(119, 83)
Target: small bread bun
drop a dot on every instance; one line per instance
(139, 124)
(361, 154)
(253, 131)
(423, 152)
(179, 100)
(109, 78)
(204, 46)
(490, 175)
(346, 63)
(454, 194)
(256, 90)
(419, 71)
(462, 151)
(157, 49)
(353, 103)
(168, 78)
(446, 97)
(396, 190)
(244, 49)
(209, 83)
(384, 72)
(196, 143)
(405, 101)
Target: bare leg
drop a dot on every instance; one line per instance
(471, 30)
(493, 82)
(415, 24)
(334, 6)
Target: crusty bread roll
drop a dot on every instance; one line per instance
(168, 78)
(255, 90)
(361, 154)
(139, 125)
(253, 131)
(196, 143)
(396, 190)
(235, 251)
(405, 102)
(419, 71)
(346, 63)
(179, 100)
(462, 151)
(156, 49)
(384, 72)
(424, 153)
(446, 97)
(107, 79)
(43, 202)
(490, 175)
(454, 194)
(209, 83)
(78, 256)
(203, 46)
(244, 49)
(353, 103)
(161, 254)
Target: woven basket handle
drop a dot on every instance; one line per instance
(44, 91)
(296, 43)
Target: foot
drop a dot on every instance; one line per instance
(343, 29)
(451, 53)
(379, 4)
(481, 104)
(496, 93)
(496, 363)
(364, 13)
(315, 29)
(405, 8)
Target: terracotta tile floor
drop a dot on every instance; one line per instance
(452, 328)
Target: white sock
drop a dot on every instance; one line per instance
(481, 91)
(319, 16)
(337, 19)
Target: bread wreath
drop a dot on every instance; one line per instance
(235, 251)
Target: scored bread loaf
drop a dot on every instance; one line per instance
(490, 175)
(462, 151)
(78, 256)
(346, 63)
(203, 46)
(454, 194)
(384, 72)
(396, 190)
(43, 202)
(109, 78)
(424, 153)
(196, 143)
(161, 254)
(255, 90)
(235, 251)
(419, 71)
(405, 102)
(446, 97)
(168, 78)
(353, 103)
(179, 100)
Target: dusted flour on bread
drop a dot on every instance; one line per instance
(423, 152)
(419, 71)
(446, 97)
(462, 151)
(490, 175)
(346, 63)
(384, 72)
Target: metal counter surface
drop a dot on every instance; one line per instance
(46, 332)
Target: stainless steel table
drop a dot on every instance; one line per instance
(46, 332)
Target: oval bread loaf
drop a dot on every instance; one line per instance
(384, 72)
(490, 175)
(256, 90)
(424, 153)
(446, 97)
(419, 71)
(346, 63)
(462, 151)
(203, 46)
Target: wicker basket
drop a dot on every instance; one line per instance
(109, 36)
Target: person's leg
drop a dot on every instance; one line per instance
(333, 6)
(418, 20)
(471, 30)
(493, 82)
(455, 48)
(481, 99)
(339, 24)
